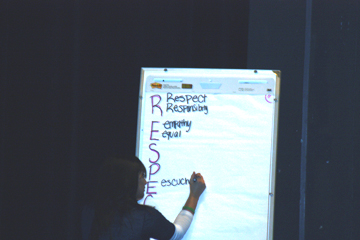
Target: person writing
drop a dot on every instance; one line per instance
(116, 214)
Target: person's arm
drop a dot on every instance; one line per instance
(183, 220)
(196, 189)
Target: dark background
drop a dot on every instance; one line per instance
(70, 73)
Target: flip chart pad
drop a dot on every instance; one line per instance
(222, 123)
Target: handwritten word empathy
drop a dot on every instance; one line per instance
(177, 124)
(169, 125)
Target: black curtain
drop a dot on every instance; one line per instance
(70, 73)
(316, 46)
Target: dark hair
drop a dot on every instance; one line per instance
(115, 192)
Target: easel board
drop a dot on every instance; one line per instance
(222, 123)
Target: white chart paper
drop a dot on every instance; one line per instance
(229, 139)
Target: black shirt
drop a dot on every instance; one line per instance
(142, 223)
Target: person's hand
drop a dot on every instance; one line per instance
(197, 187)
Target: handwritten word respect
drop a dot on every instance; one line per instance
(188, 98)
(154, 163)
